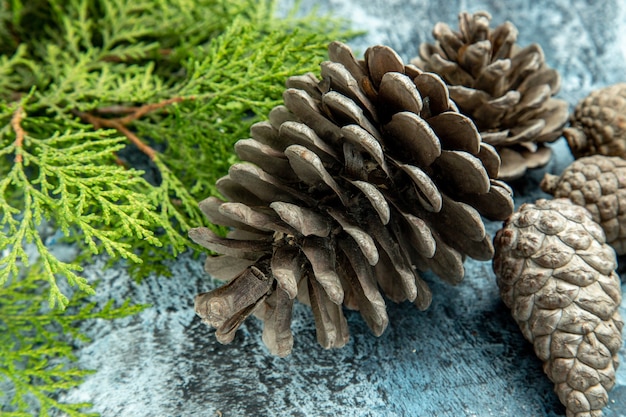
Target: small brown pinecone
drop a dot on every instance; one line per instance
(360, 179)
(507, 90)
(598, 124)
(597, 183)
(558, 277)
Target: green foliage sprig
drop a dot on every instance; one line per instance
(116, 117)
(82, 81)
(36, 347)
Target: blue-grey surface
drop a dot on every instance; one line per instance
(462, 357)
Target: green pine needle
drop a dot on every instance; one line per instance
(65, 178)
(180, 80)
(116, 118)
(36, 345)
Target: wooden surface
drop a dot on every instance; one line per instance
(462, 357)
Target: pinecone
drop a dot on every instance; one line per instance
(359, 179)
(557, 276)
(507, 90)
(598, 124)
(597, 183)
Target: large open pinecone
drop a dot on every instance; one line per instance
(506, 89)
(598, 123)
(357, 181)
(557, 275)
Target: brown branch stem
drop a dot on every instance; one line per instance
(16, 124)
(148, 108)
(119, 161)
(132, 114)
(129, 59)
(116, 109)
(147, 149)
(100, 122)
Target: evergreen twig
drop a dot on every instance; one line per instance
(212, 85)
(36, 348)
(82, 81)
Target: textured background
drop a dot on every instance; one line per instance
(462, 357)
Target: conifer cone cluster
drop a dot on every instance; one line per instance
(359, 180)
(506, 89)
(597, 183)
(557, 275)
(598, 123)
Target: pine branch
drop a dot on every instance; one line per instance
(36, 347)
(194, 102)
(82, 84)
(60, 178)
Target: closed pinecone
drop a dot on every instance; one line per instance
(355, 182)
(598, 123)
(557, 276)
(597, 183)
(507, 90)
